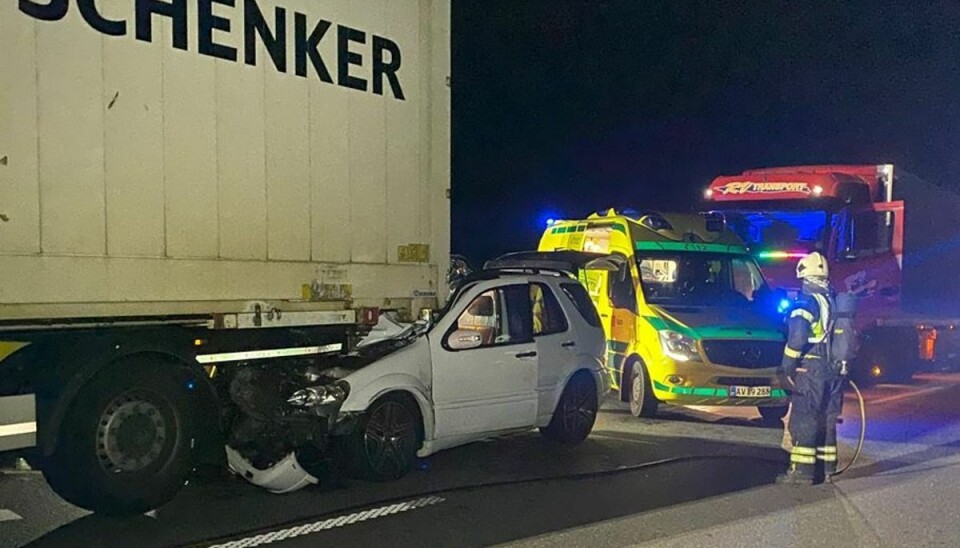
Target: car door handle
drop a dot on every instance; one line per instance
(568, 344)
(531, 354)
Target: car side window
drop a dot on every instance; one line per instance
(519, 315)
(483, 315)
(581, 300)
(547, 314)
(499, 316)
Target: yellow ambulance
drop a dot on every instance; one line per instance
(688, 316)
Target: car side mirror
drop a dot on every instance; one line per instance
(464, 339)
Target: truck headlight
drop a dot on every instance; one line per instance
(679, 347)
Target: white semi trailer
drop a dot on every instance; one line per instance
(188, 187)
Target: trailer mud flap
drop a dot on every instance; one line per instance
(18, 422)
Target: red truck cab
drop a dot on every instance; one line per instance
(846, 212)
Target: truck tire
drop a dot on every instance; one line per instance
(125, 445)
(576, 412)
(384, 445)
(642, 401)
(886, 355)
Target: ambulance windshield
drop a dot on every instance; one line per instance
(699, 279)
(799, 231)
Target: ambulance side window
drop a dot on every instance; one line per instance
(620, 289)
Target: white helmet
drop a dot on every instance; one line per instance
(285, 476)
(812, 266)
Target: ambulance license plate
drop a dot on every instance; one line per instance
(749, 391)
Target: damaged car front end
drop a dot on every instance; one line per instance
(281, 425)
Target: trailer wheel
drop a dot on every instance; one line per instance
(384, 445)
(126, 444)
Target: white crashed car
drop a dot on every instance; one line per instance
(512, 351)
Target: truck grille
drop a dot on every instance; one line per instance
(745, 354)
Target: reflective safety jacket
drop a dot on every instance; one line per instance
(809, 330)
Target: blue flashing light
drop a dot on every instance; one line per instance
(550, 222)
(783, 306)
(191, 385)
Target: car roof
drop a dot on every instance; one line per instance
(529, 273)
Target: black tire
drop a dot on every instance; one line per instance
(773, 415)
(576, 412)
(886, 355)
(141, 405)
(642, 401)
(384, 445)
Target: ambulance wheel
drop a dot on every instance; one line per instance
(773, 415)
(125, 445)
(642, 401)
(576, 412)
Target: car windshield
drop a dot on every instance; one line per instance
(799, 231)
(699, 279)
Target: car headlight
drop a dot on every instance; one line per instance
(679, 347)
(314, 396)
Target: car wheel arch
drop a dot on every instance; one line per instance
(419, 401)
(579, 371)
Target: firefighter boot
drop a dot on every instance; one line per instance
(827, 459)
(803, 462)
(797, 474)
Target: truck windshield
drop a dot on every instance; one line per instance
(699, 279)
(780, 231)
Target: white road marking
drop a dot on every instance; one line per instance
(641, 442)
(9, 515)
(331, 523)
(18, 429)
(906, 395)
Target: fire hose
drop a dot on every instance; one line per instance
(863, 429)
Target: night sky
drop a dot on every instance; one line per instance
(561, 108)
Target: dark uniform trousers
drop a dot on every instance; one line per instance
(817, 402)
(818, 388)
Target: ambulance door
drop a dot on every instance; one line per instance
(622, 318)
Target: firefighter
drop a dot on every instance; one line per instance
(816, 378)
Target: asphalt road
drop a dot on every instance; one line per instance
(689, 477)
